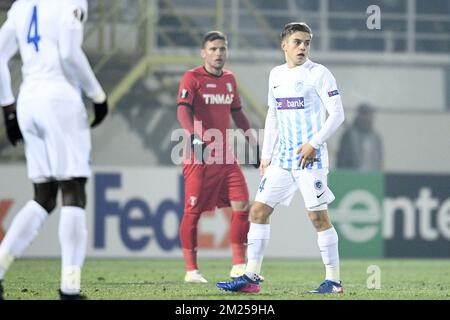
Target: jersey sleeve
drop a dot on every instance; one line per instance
(326, 87)
(271, 124)
(187, 91)
(271, 102)
(73, 58)
(8, 47)
(236, 104)
(328, 92)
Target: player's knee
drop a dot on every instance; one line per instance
(240, 205)
(317, 223)
(259, 213)
(73, 192)
(320, 220)
(45, 194)
(48, 204)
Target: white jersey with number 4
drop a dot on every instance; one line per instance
(301, 97)
(35, 28)
(50, 110)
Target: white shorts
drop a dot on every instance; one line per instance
(279, 185)
(57, 139)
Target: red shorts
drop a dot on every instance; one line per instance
(214, 185)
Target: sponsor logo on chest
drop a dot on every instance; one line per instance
(211, 98)
(290, 103)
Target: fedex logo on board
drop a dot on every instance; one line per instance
(136, 213)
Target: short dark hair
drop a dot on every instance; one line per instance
(213, 35)
(292, 27)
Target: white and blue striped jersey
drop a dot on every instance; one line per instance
(301, 97)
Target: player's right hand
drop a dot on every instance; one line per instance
(264, 164)
(198, 147)
(12, 126)
(100, 111)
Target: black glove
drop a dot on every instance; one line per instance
(12, 126)
(258, 158)
(100, 111)
(198, 147)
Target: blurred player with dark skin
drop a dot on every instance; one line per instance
(53, 122)
(301, 93)
(207, 99)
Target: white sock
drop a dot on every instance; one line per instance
(6, 258)
(73, 239)
(22, 231)
(71, 280)
(257, 239)
(328, 244)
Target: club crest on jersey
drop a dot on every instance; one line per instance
(229, 87)
(318, 184)
(193, 201)
(218, 98)
(79, 14)
(290, 103)
(299, 86)
(184, 94)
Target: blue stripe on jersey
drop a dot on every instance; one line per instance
(318, 109)
(298, 123)
(288, 143)
(308, 117)
(275, 160)
(282, 148)
(282, 154)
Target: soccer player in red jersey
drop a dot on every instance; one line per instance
(207, 99)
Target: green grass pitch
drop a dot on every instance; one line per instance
(159, 279)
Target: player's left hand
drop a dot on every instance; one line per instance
(100, 111)
(264, 164)
(308, 155)
(12, 126)
(258, 159)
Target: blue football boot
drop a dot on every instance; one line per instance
(328, 286)
(241, 284)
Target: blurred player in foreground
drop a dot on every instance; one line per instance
(301, 92)
(207, 99)
(54, 124)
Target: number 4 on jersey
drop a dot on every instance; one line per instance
(261, 185)
(33, 36)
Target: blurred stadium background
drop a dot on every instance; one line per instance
(140, 49)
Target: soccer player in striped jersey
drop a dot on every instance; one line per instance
(301, 93)
(53, 121)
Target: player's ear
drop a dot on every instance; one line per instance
(203, 53)
(283, 45)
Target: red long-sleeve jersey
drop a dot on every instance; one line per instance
(211, 100)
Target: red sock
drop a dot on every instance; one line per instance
(238, 235)
(188, 238)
